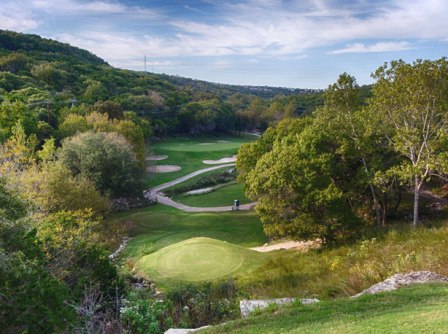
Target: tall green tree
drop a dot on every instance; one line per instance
(411, 103)
(358, 141)
(107, 159)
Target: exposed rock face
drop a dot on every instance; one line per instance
(249, 306)
(400, 280)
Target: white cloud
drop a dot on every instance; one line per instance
(377, 47)
(12, 17)
(250, 28)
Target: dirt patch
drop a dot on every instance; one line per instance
(220, 161)
(156, 157)
(163, 169)
(296, 245)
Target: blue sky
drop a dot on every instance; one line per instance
(288, 43)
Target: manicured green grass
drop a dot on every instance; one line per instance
(197, 259)
(189, 153)
(415, 309)
(222, 196)
(159, 226)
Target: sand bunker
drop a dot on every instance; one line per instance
(200, 191)
(206, 144)
(163, 169)
(220, 161)
(222, 141)
(297, 245)
(156, 157)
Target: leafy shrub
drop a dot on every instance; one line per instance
(142, 315)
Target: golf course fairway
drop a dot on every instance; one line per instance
(198, 259)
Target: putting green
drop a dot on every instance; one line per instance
(198, 259)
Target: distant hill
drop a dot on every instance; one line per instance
(42, 72)
(225, 89)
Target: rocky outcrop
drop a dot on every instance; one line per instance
(248, 306)
(400, 280)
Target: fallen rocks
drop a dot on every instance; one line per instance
(400, 280)
(248, 306)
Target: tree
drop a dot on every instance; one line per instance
(358, 142)
(14, 62)
(297, 191)
(72, 125)
(51, 187)
(294, 174)
(111, 108)
(107, 159)
(411, 103)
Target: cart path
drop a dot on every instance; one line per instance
(155, 193)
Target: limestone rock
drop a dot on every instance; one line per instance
(400, 280)
(249, 306)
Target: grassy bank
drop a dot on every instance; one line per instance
(348, 269)
(414, 309)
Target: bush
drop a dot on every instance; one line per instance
(186, 307)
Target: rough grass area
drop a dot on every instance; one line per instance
(412, 310)
(189, 153)
(198, 259)
(220, 197)
(156, 227)
(347, 270)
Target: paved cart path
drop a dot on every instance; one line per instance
(155, 193)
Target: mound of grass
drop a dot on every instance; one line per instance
(189, 153)
(197, 259)
(159, 226)
(220, 197)
(414, 309)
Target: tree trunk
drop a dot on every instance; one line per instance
(375, 199)
(385, 208)
(416, 200)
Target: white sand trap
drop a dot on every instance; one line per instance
(206, 143)
(200, 191)
(156, 157)
(220, 161)
(297, 245)
(163, 169)
(222, 141)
